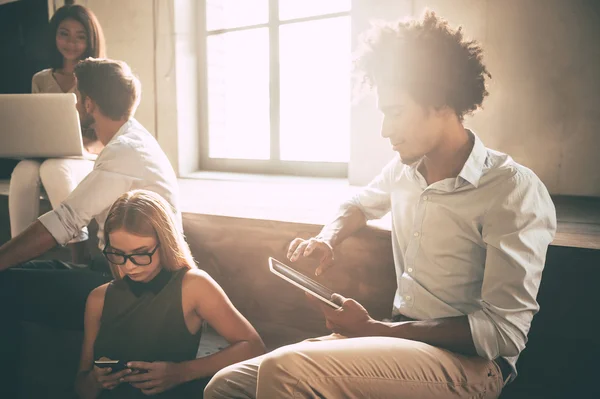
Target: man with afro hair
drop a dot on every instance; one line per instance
(470, 231)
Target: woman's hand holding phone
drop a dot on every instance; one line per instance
(155, 377)
(106, 378)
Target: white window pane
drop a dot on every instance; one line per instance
(238, 95)
(224, 14)
(291, 9)
(315, 90)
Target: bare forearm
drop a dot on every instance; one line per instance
(86, 387)
(452, 333)
(33, 242)
(348, 221)
(209, 365)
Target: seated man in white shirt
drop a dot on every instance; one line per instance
(107, 95)
(470, 231)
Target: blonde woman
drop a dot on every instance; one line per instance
(150, 316)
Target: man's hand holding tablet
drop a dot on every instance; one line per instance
(351, 319)
(343, 315)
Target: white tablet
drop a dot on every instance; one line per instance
(301, 281)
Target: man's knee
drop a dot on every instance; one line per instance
(284, 367)
(216, 385)
(280, 362)
(235, 381)
(240, 380)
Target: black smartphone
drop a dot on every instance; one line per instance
(115, 365)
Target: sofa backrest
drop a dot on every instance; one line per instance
(236, 251)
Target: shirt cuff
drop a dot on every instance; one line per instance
(484, 335)
(53, 224)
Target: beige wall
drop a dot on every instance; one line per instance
(542, 109)
(157, 38)
(541, 53)
(129, 30)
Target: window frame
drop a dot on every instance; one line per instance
(274, 165)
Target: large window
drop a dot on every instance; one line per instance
(277, 87)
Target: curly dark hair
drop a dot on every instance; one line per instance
(431, 61)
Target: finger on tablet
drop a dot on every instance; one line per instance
(298, 251)
(293, 245)
(312, 243)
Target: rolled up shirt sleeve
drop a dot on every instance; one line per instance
(517, 229)
(112, 176)
(374, 200)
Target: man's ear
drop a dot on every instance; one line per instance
(90, 105)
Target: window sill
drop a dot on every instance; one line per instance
(278, 198)
(268, 197)
(315, 201)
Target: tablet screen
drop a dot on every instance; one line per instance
(299, 278)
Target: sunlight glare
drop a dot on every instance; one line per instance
(224, 14)
(291, 9)
(238, 95)
(315, 90)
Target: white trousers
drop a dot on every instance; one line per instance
(59, 176)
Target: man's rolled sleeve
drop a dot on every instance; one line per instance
(517, 229)
(113, 175)
(62, 224)
(494, 335)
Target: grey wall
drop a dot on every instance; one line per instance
(544, 57)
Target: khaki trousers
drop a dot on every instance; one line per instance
(375, 367)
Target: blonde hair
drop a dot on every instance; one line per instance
(146, 213)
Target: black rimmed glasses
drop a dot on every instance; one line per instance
(140, 259)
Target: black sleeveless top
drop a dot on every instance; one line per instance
(145, 322)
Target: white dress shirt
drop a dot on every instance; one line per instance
(472, 245)
(131, 160)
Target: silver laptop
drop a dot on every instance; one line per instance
(39, 126)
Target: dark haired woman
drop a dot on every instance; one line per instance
(75, 34)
